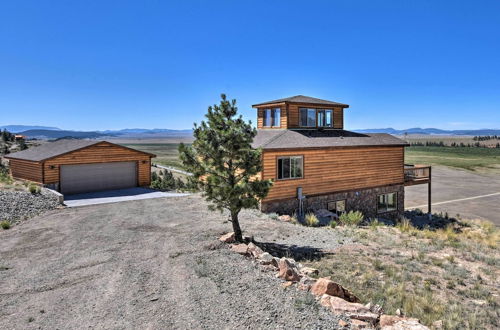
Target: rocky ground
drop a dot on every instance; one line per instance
(18, 205)
(152, 264)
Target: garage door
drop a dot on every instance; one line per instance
(97, 177)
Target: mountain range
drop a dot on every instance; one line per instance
(45, 132)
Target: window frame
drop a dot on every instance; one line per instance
(272, 114)
(335, 203)
(317, 111)
(278, 158)
(386, 210)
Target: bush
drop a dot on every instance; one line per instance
(311, 220)
(353, 218)
(34, 189)
(5, 224)
(333, 224)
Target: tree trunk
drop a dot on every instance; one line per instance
(236, 227)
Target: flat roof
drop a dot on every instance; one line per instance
(303, 138)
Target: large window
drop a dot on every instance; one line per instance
(325, 118)
(307, 117)
(387, 202)
(272, 117)
(290, 167)
(316, 117)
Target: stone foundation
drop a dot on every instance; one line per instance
(362, 200)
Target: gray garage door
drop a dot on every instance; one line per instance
(97, 177)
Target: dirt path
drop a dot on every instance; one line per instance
(148, 264)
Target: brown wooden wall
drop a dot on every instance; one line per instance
(293, 115)
(100, 153)
(26, 170)
(336, 169)
(283, 119)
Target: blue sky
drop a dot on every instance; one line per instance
(95, 65)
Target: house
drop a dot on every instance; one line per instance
(18, 137)
(76, 166)
(315, 163)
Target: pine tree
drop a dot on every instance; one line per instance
(224, 165)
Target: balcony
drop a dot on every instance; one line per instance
(417, 174)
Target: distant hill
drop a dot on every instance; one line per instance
(22, 128)
(430, 131)
(53, 134)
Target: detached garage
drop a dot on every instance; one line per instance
(78, 166)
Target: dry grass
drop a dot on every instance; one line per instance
(450, 274)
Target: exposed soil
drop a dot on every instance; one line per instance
(151, 264)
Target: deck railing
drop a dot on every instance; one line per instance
(416, 174)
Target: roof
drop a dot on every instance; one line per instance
(299, 139)
(303, 99)
(57, 148)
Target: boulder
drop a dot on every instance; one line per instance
(254, 250)
(265, 258)
(343, 323)
(285, 218)
(287, 284)
(353, 310)
(309, 271)
(227, 238)
(287, 271)
(393, 322)
(306, 283)
(358, 324)
(327, 286)
(240, 248)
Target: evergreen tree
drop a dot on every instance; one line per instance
(224, 165)
(22, 144)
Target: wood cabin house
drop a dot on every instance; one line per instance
(73, 166)
(315, 163)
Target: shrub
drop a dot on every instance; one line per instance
(352, 218)
(374, 223)
(405, 225)
(34, 189)
(311, 220)
(333, 224)
(5, 224)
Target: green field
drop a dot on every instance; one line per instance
(166, 153)
(473, 159)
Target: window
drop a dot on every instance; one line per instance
(307, 117)
(272, 117)
(337, 206)
(387, 202)
(290, 167)
(325, 118)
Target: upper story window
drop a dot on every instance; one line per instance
(316, 117)
(272, 117)
(290, 167)
(307, 117)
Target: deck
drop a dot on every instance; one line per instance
(417, 174)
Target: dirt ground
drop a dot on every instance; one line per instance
(149, 264)
(451, 184)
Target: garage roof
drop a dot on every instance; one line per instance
(57, 148)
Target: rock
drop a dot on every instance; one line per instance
(255, 250)
(437, 324)
(358, 324)
(265, 258)
(309, 271)
(240, 248)
(287, 284)
(327, 286)
(287, 271)
(275, 262)
(353, 310)
(306, 283)
(393, 322)
(343, 323)
(398, 312)
(285, 218)
(374, 308)
(227, 238)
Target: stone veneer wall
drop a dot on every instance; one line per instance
(362, 200)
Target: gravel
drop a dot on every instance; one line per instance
(152, 263)
(20, 205)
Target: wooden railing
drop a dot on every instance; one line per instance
(417, 174)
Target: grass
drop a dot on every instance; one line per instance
(449, 274)
(5, 224)
(472, 159)
(353, 218)
(166, 153)
(311, 220)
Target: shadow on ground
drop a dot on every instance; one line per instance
(292, 251)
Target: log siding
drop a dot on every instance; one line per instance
(26, 170)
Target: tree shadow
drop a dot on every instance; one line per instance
(421, 220)
(292, 251)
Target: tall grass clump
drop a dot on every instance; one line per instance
(34, 189)
(311, 220)
(353, 218)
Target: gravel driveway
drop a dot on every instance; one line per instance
(150, 264)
